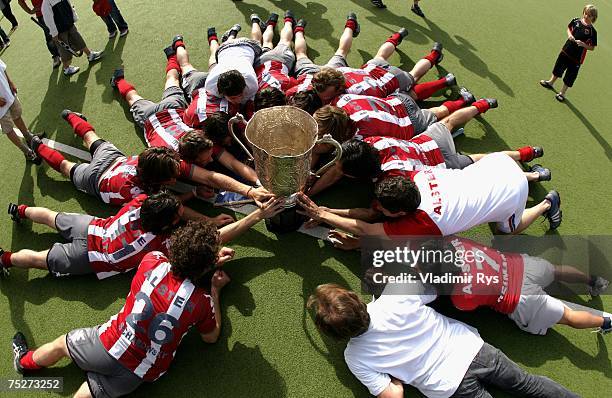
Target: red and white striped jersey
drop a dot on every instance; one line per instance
(118, 243)
(119, 184)
(302, 83)
(204, 104)
(274, 74)
(373, 116)
(400, 156)
(158, 312)
(165, 128)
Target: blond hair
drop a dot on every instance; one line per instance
(334, 121)
(591, 11)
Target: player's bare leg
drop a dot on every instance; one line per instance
(83, 391)
(531, 214)
(351, 29)
(464, 115)
(182, 56)
(550, 208)
(424, 64)
(256, 29)
(300, 46)
(213, 45)
(26, 259)
(51, 353)
(581, 319)
(286, 33)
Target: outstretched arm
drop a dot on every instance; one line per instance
(237, 167)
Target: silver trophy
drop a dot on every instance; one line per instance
(281, 139)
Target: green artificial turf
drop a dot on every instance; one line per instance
(269, 345)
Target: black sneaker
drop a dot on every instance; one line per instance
(289, 14)
(20, 348)
(492, 102)
(4, 272)
(378, 3)
(117, 74)
(272, 19)
(417, 10)
(451, 80)
(13, 211)
(438, 47)
(353, 17)
(211, 32)
(32, 157)
(169, 51)
(256, 19)
(467, 96)
(554, 214)
(176, 39)
(35, 143)
(544, 173)
(538, 151)
(67, 112)
(403, 32)
(300, 23)
(233, 31)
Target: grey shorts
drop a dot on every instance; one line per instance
(73, 38)
(405, 79)
(444, 140)
(13, 112)
(86, 176)
(193, 81)
(70, 258)
(106, 377)
(306, 66)
(281, 53)
(243, 41)
(172, 98)
(421, 118)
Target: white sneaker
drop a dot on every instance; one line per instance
(71, 70)
(112, 34)
(94, 56)
(124, 33)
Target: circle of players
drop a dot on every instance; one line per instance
(423, 186)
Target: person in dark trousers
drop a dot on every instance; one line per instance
(35, 10)
(5, 6)
(415, 7)
(581, 37)
(115, 22)
(5, 41)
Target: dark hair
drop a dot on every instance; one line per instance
(360, 159)
(339, 312)
(307, 100)
(158, 213)
(327, 77)
(398, 194)
(269, 97)
(193, 251)
(231, 83)
(215, 127)
(156, 165)
(192, 144)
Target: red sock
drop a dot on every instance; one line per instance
(454, 106)
(28, 362)
(482, 105)
(179, 43)
(298, 29)
(350, 24)
(173, 64)
(432, 57)
(124, 87)
(211, 38)
(6, 259)
(427, 89)
(526, 153)
(287, 19)
(79, 125)
(21, 211)
(51, 156)
(394, 39)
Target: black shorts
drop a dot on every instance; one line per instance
(567, 65)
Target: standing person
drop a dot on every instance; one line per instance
(59, 16)
(10, 115)
(5, 41)
(581, 37)
(51, 46)
(112, 18)
(415, 7)
(5, 6)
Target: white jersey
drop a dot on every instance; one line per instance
(238, 58)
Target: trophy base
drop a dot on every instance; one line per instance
(286, 221)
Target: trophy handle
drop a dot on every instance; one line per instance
(230, 125)
(327, 139)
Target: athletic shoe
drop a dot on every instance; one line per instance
(353, 17)
(492, 102)
(603, 330)
(94, 56)
(14, 28)
(598, 286)
(546, 84)
(256, 19)
(4, 272)
(289, 14)
(438, 47)
(538, 152)
(31, 156)
(233, 31)
(169, 51)
(13, 211)
(71, 70)
(20, 348)
(57, 61)
(403, 32)
(554, 214)
(112, 35)
(176, 39)
(417, 10)
(273, 18)
(117, 75)
(300, 23)
(451, 80)
(35, 143)
(211, 32)
(378, 3)
(544, 173)
(124, 32)
(467, 96)
(67, 112)
(7, 44)
(560, 97)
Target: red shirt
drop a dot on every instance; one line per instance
(204, 104)
(165, 128)
(302, 83)
(274, 74)
(373, 116)
(120, 183)
(36, 4)
(118, 243)
(496, 281)
(159, 310)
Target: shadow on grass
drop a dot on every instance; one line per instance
(605, 145)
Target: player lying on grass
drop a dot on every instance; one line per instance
(445, 202)
(380, 157)
(518, 286)
(169, 294)
(397, 339)
(117, 244)
(117, 179)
